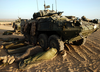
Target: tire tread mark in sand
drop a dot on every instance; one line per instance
(97, 68)
(81, 52)
(89, 52)
(92, 48)
(96, 40)
(85, 48)
(74, 54)
(96, 65)
(89, 70)
(71, 59)
(93, 43)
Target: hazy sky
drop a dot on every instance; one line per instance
(10, 9)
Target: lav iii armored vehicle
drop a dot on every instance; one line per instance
(50, 29)
(17, 24)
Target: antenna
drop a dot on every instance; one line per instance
(37, 6)
(52, 7)
(44, 5)
(56, 5)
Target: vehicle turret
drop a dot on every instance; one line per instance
(46, 13)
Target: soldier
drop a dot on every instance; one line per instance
(29, 52)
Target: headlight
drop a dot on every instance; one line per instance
(95, 26)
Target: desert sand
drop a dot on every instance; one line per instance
(85, 58)
(5, 23)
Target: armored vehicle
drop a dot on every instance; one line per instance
(18, 24)
(50, 29)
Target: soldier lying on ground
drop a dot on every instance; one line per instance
(37, 59)
(31, 51)
(35, 56)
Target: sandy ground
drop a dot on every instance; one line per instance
(85, 58)
(5, 22)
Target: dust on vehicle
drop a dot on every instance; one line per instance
(51, 29)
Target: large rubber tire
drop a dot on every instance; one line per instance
(55, 42)
(80, 42)
(43, 41)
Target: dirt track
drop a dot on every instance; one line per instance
(85, 58)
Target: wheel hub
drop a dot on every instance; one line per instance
(53, 44)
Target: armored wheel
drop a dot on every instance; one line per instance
(55, 42)
(43, 39)
(80, 42)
